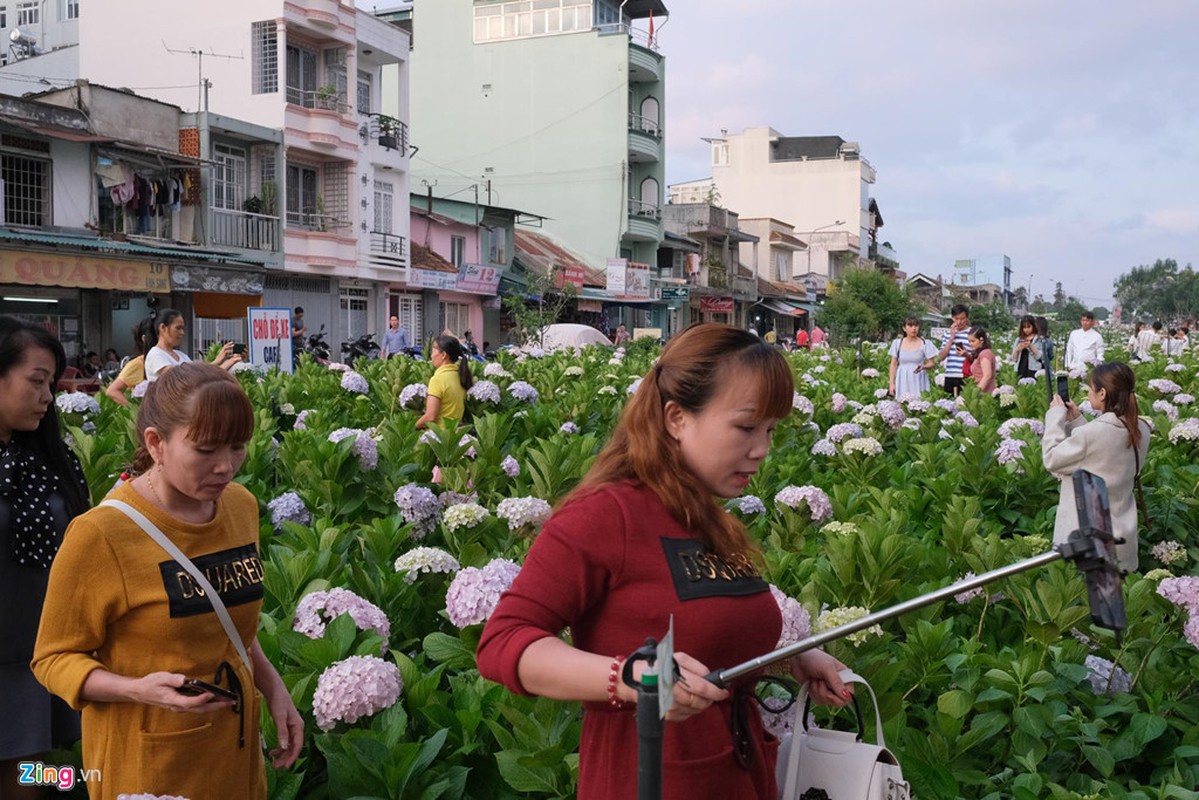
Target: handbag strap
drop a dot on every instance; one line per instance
(1136, 483)
(174, 552)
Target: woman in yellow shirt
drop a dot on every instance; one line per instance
(447, 388)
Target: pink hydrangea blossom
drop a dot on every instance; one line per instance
(475, 592)
(355, 688)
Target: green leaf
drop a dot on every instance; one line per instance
(514, 767)
(449, 650)
(1099, 758)
(955, 703)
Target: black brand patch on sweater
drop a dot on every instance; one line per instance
(698, 573)
(236, 574)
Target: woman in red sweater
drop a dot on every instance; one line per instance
(643, 538)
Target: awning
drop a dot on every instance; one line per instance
(131, 248)
(783, 307)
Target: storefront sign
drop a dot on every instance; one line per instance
(591, 306)
(636, 281)
(478, 279)
(270, 338)
(675, 293)
(716, 305)
(214, 279)
(431, 279)
(617, 267)
(84, 272)
(569, 275)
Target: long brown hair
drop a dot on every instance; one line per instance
(692, 369)
(200, 399)
(1118, 381)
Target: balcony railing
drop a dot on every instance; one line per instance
(647, 125)
(389, 132)
(245, 230)
(319, 98)
(638, 37)
(312, 221)
(390, 243)
(639, 208)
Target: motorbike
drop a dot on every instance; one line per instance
(317, 347)
(362, 347)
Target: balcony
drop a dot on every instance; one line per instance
(324, 98)
(312, 221)
(324, 14)
(384, 131)
(388, 250)
(243, 230)
(645, 140)
(645, 221)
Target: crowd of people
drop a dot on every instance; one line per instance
(105, 613)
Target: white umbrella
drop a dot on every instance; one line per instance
(569, 335)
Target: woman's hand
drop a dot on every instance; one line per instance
(289, 726)
(162, 689)
(820, 673)
(1057, 401)
(1073, 412)
(693, 692)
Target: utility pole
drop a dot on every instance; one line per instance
(202, 83)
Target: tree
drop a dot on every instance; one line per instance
(1059, 297)
(540, 306)
(1161, 291)
(1020, 297)
(1102, 313)
(865, 303)
(993, 316)
(1038, 306)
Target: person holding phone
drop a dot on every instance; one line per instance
(911, 355)
(982, 359)
(125, 627)
(954, 350)
(1112, 446)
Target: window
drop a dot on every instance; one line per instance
(457, 250)
(29, 12)
(720, 153)
(4, 19)
(780, 267)
(335, 201)
(264, 48)
(355, 311)
(336, 81)
(26, 190)
(497, 246)
(301, 76)
(384, 195)
(228, 177)
(68, 9)
(301, 196)
(515, 20)
(455, 317)
(364, 93)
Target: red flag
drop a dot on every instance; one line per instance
(651, 28)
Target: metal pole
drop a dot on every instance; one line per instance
(722, 677)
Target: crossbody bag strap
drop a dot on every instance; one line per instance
(1136, 483)
(174, 552)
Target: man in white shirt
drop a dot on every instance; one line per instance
(1085, 345)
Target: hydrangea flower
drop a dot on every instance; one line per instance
(813, 497)
(1169, 552)
(1183, 399)
(1182, 592)
(839, 402)
(839, 528)
(870, 372)
(495, 370)
(484, 392)
(802, 404)
(947, 405)
(510, 466)
(302, 419)
(337, 366)
(318, 609)
(747, 504)
(365, 447)
(879, 394)
(797, 623)
(521, 511)
(573, 371)
(1026, 381)
(413, 392)
(418, 506)
(1008, 427)
(607, 390)
(634, 386)
(866, 445)
(1008, 400)
(464, 515)
(830, 618)
(355, 688)
(824, 447)
(289, 507)
(1164, 385)
(469, 443)
(916, 405)
(1158, 575)
(1010, 450)
(140, 389)
(892, 413)
(965, 597)
(353, 382)
(425, 560)
(523, 392)
(77, 403)
(568, 428)
(1105, 677)
(843, 430)
(1187, 430)
(1167, 408)
(966, 418)
(1175, 367)
(475, 592)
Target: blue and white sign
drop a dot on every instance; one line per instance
(270, 338)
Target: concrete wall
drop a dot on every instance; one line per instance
(73, 192)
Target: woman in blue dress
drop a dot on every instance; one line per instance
(910, 355)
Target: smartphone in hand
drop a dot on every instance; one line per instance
(193, 687)
(1063, 388)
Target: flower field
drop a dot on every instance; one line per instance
(377, 579)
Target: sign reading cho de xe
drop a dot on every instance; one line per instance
(270, 338)
(84, 272)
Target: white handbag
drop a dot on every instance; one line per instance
(818, 764)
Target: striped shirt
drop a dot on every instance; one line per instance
(955, 360)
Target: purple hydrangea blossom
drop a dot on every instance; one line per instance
(1164, 385)
(1008, 427)
(843, 430)
(521, 511)
(870, 372)
(289, 507)
(568, 428)
(475, 592)
(947, 405)
(353, 382)
(1183, 399)
(353, 689)
(523, 392)
(797, 622)
(824, 447)
(365, 447)
(634, 386)
(302, 419)
(1182, 592)
(747, 504)
(1187, 430)
(1167, 408)
(318, 609)
(77, 403)
(420, 507)
(1106, 677)
(510, 466)
(1010, 450)
(970, 594)
(839, 402)
(802, 404)
(484, 392)
(496, 370)
(813, 497)
(413, 393)
(892, 413)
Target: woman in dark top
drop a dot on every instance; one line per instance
(41, 489)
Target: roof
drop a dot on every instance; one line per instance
(539, 251)
(425, 258)
(797, 148)
(163, 250)
(639, 9)
(686, 241)
(780, 289)
(780, 239)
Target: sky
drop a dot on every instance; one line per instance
(1063, 134)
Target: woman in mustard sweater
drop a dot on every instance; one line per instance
(124, 625)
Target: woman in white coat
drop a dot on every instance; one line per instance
(1112, 446)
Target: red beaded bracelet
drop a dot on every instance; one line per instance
(613, 677)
